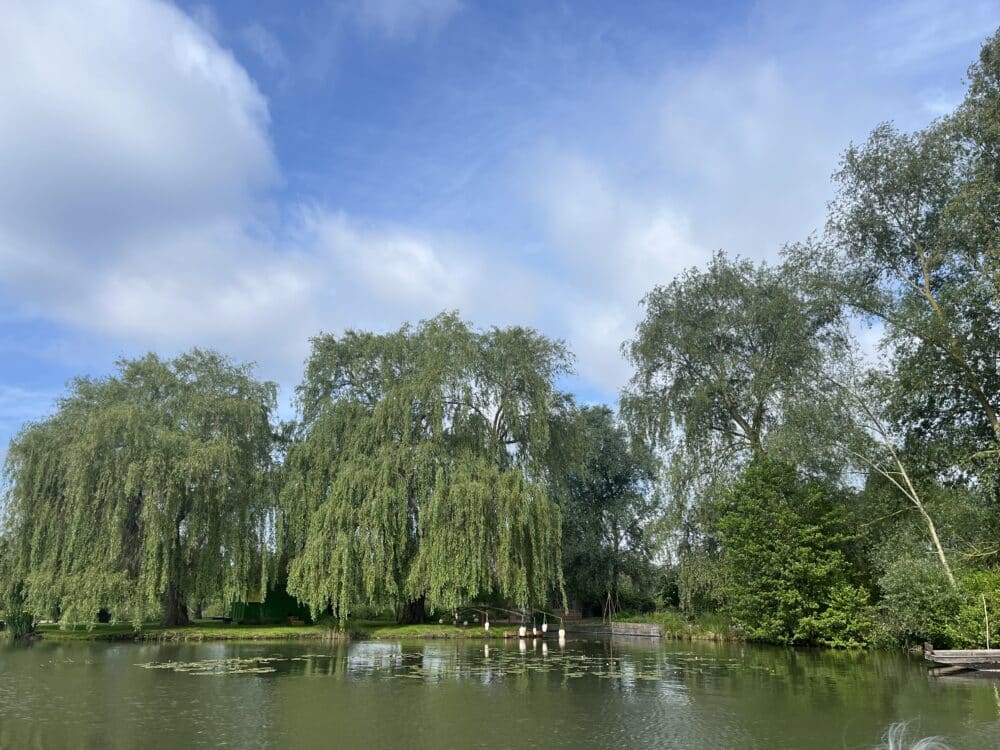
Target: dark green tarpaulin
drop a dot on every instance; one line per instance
(278, 606)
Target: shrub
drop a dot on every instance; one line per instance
(18, 624)
(848, 621)
(920, 604)
(781, 539)
(967, 628)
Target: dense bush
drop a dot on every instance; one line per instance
(918, 601)
(848, 619)
(967, 629)
(784, 570)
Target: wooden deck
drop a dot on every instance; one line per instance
(596, 626)
(984, 660)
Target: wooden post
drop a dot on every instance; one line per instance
(986, 614)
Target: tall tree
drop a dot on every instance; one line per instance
(872, 444)
(722, 363)
(912, 241)
(144, 489)
(420, 475)
(721, 355)
(608, 507)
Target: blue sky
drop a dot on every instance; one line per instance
(242, 175)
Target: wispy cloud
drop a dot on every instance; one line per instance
(402, 19)
(265, 46)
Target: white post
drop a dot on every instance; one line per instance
(986, 614)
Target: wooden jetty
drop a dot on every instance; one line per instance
(600, 627)
(958, 660)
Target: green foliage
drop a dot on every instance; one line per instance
(438, 465)
(968, 626)
(848, 619)
(919, 602)
(709, 626)
(725, 360)
(921, 606)
(722, 354)
(783, 564)
(144, 488)
(420, 474)
(17, 622)
(608, 505)
(913, 241)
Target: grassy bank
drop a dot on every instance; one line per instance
(199, 631)
(219, 631)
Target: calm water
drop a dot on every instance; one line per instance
(450, 694)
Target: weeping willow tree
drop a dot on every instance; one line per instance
(144, 490)
(419, 477)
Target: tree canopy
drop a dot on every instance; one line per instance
(609, 509)
(912, 242)
(143, 489)
(420, 474)
(721, 356)
(725, 359)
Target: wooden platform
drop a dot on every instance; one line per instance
(983, 660)
(600, 627)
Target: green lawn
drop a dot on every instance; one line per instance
(198, 631)
(208, 630)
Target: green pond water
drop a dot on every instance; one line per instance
(454, 694)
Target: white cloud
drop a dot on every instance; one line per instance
(404, 18)
(265, 46)
(399, 270)
(122, 116)
(753, 147)
(918, 32)
(732, 149)
(136, 151)
(140, 153)
(612, 244)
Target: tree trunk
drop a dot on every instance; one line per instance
(174, 607)
(937, 545)
(413, 612)
(199, 609)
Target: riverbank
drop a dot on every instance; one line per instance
(220, 631)
(199, 631)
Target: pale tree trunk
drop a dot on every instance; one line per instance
(900, 479)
